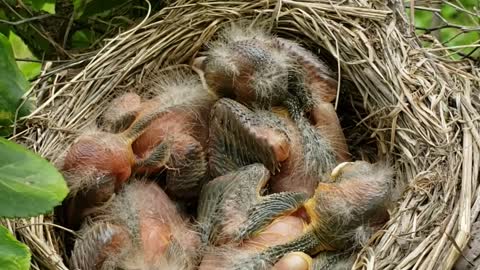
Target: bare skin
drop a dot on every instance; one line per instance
(121, 112)
(296, 157)
(183, 138)
(263, 71)
(268, 74)
(254, 67)
(139, 228)
(233, 210)
(167, 132)
(324, 118)
(281, 231)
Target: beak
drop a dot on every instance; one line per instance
(199, 63)
(336, 171)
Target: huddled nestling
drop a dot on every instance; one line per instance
(240, 163)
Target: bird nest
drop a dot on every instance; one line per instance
(406, 103)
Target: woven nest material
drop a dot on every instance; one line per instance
(421, 111)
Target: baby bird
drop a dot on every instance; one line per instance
(182, 130)
(283, 230)
(240, 136)
(121, 112)
(167, 132)
(269, 73)
(260, 70)
(253, 67)
(140, 229)
(342, 211)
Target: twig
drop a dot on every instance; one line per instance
(26, 20)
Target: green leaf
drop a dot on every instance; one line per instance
(79, 8)
(423, 18)
(96, 6)
(13, 254)
(4, 28)
(29, 184)
(92, 7)
(448, 12)
(45, 5)
(12, 87)
(29, 69)
(83, 39)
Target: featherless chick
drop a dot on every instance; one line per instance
(296, 157)
(252, 66)
(167, 132)
(346, 209)
(269, 73)
(139, 229)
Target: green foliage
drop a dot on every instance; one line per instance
(85, 8)
(4, 29)
(455, 37)
(20, 50)
(423, 19)
(452, 36)
(79, 7)
(29, 185)
(83, 39)
(12, 87)
(45, 5)
(13, 254)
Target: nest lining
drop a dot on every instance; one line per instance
(422, 111)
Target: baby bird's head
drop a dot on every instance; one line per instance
(139, 229)
(245, 66)
(361, 170)
(101, 152)
(353, 204)
(121, 112)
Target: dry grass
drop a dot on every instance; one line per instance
(423, 110)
